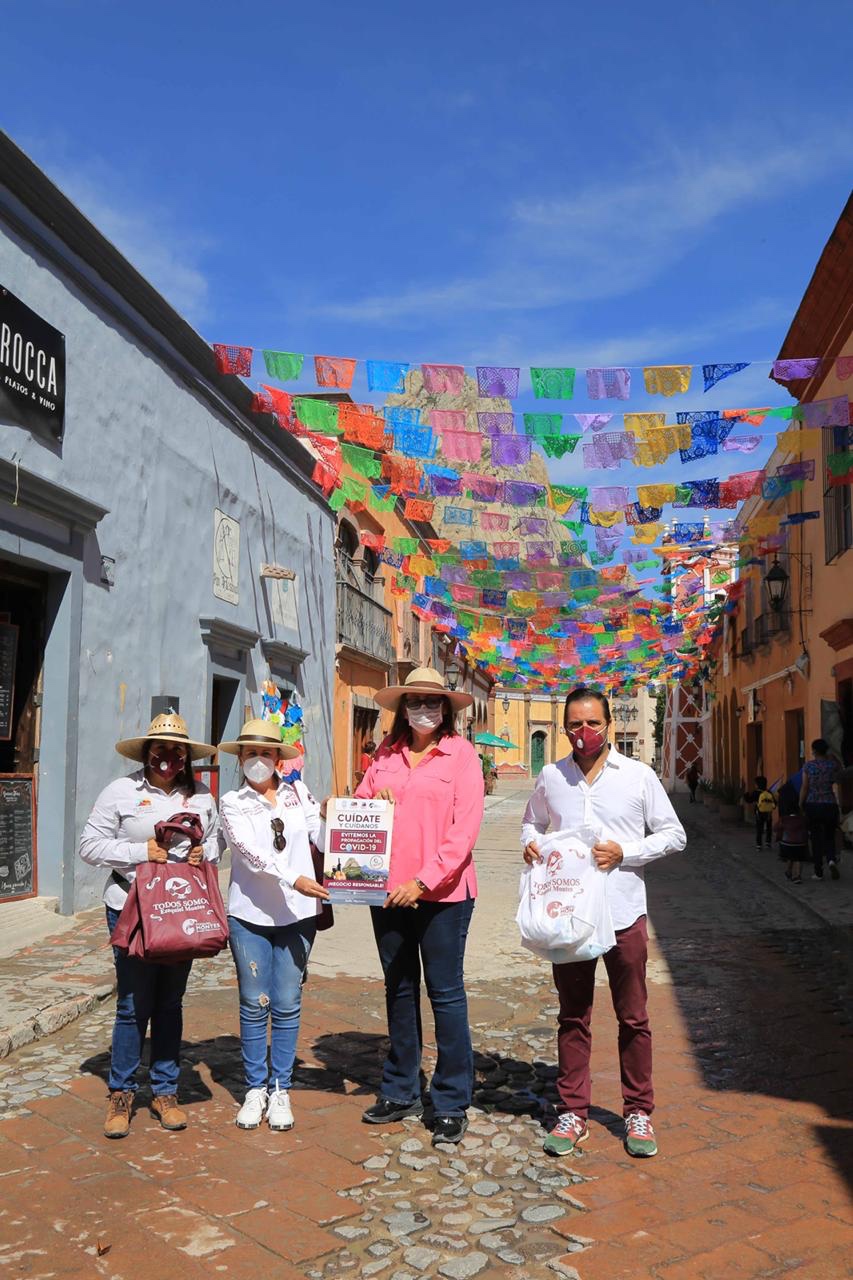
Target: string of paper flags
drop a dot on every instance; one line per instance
(549, 593)
(547, 382)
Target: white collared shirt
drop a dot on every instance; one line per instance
(625, 803)
(262, 877)
(122, 822)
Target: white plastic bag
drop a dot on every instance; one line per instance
(562, 913)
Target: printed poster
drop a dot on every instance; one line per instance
(358, 850)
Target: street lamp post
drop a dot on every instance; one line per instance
(625, 714)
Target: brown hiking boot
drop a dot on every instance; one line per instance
(117, 1121)
(166, 1109)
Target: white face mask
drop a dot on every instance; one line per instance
(258, 768)
(424, 720)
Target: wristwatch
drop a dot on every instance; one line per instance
(420, 885)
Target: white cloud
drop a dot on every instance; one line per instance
(606, 240)
(652, 345)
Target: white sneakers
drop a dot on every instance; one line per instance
(252, 1111)
(276, 1106)
(279, 1111)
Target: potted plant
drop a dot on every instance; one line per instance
(730, 809)
(712, 798)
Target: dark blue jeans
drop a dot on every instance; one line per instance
(822, 819)
(147, 993)
(432, 937)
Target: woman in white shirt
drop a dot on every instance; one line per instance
(119, 834)
(273, 904)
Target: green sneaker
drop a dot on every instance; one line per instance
(639, 1135)
(566, 1136)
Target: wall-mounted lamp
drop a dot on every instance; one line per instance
(451, 675)
(776, 581)
(505, 704)
(108, 571)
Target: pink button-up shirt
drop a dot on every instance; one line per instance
(438, 810)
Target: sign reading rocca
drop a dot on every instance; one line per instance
(32, 368)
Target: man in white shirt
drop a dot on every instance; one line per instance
(623, 802)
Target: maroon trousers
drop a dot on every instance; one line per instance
(575, 983)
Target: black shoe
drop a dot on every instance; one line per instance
(385, 1111)
(449, 1129)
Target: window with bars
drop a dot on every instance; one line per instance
(837, 513)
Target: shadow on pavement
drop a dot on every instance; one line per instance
(766, 1008)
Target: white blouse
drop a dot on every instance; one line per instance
(122, 822)
(262, 877)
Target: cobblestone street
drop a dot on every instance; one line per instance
(749, 997)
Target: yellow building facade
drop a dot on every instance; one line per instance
(533, 723)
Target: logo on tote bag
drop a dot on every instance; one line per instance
(178, 887)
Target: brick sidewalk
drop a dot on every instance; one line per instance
(744, 1186)
(752, 1047)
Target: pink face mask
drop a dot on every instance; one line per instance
(586, 741)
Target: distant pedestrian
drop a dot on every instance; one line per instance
(273, 904)
(367, 754)
(119, 834)
(792, 833)
(433, 777)
(819, 797)
(764, 803)
(624, 803)
(692, 779)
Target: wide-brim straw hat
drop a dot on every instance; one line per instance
(260, 733)
(165, 728)
(422, 680)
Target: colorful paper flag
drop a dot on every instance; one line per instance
(714, 373)
(553, 383)
(496, 380)
(608, 384)
(792, 370)
(443, 378)
(334, 371)
(667, 379)
(386, 375)
(286, 366)
(233, 359)
(461, 446)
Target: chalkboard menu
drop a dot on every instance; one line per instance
(8, 653)
(17, 836)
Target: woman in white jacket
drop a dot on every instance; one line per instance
(273, 904)
(119, 835)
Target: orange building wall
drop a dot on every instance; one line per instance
(764, 737)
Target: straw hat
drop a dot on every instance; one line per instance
(260, 733)
(165, 728)
(421, 680)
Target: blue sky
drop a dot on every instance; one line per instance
(503, 183)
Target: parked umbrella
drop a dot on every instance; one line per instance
(492, 740)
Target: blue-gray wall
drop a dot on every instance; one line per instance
(143, 439)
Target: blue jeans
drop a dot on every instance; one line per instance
(270, 962)
(433, 936)
(147, 993)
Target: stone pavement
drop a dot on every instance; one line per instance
(753, 1038)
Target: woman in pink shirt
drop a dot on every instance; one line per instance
(435, 780)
